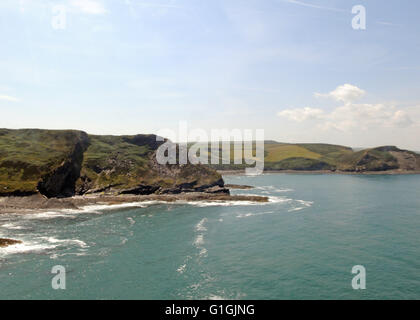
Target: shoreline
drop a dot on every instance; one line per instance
(38, 203)
(316, 172)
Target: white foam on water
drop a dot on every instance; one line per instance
(49, 215)
(12, 226)
(203, 252)
(26, 247)
(200, 226)
(101, 207)
(181, 269)
(278, 200)
(77, 242)
(296, 209)
(199, 240)
(78, 254)
(219, 203)
(95, 209)
(303, 204)
(251, 214)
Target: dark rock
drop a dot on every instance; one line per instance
(237, 186)
(141, 190)
(8, 242)
(62, 181)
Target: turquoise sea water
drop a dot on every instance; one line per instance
(301, 245)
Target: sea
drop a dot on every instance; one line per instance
(302, 244)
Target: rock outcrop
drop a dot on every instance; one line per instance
(8, 242)
(59, 164)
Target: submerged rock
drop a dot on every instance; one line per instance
(8, 242)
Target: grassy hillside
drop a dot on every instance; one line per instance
(28, 155)
(67, 162)
(307, 157)
(127, 163)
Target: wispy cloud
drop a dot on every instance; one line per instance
(168, 4)
(390, 24)
(8, 98)
(314, 6)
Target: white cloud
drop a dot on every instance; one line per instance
(88, 6)
(345, 93)
(365, 116)
(300, 115)
(352, 115)
(8, 98)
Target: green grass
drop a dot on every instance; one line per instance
(281, 152)
(26, 155)
(282, 156)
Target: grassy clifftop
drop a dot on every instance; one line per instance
(60, 163)
(29, 157)
(311, 157)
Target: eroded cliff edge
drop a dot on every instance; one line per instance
(64, 163)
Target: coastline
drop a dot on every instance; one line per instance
(38, 203)
(316, 172)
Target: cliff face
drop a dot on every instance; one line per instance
(46, 161)
(67, 163)
(127, 165)
(61, 182)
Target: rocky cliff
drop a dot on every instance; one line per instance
(64, 163)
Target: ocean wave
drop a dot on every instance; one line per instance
(278, 199)
(12, 226)
(76, 242)
(302, 204)
(50, 215)
(26, 247)
(101, 208)
(251, 214)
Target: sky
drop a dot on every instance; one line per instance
(297, 69)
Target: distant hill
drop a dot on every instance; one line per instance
(313, 157)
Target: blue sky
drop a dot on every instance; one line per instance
(295, 68)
